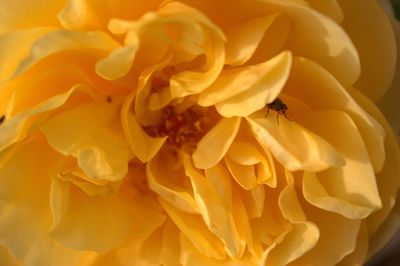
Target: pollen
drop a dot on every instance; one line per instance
(181, 128)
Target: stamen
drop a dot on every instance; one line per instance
(180, 128)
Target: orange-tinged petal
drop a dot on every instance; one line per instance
(350, 190)
(316, 83)
(170, 248)
(193, 227)
(254, 90)
(294, 146)
(214, 145)
(371, 31)
(358, 256)
(6, 258)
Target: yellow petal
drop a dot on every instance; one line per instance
(102, 223)
(215, 213)
(15, 128)
(376, 46)
(350, 190)
(235, 81)
(170, 248)
(84, 133)
(94, 43)
(293, 145)
(165, 175)
(316, 84)
(358, 256)
(6, 258)
(387, 180)
(302, 237)
(254, 89)
(221, 181)
(243, 39)
(337, 237)
(330, 8)
(11, 55)
(21, 14)
(214, 145)
(193, 227)
(142, 145)
(26, 211)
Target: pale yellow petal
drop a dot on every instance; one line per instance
(214, 145)
(85, 133)
(165, 174)
(350, 190)
(245, 175)
(358, 256)
(293, 145)
(21, 14)
(193, 227)
(317, 84)
(217, 215)
(371, 31)
(257, 92)
(102, 223)
(243, 39)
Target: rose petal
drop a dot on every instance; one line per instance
(165, 176)
(244, 39)
(331, 8)
(316, 84)
(84, 133)
(218, 218)
(257, 92)
(104, 223)
(15, 128)
(302, 237)
(358, 256)
(20, 14)
(349, 190)
(196, 231)
(94, 43)
(214, 145)
(293, 145)
(376, 46)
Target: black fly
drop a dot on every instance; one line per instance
(278, 106)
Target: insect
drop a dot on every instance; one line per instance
(280, 108)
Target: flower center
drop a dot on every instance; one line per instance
(186, 127)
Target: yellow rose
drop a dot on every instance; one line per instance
(195, 132)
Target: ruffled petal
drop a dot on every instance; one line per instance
(293, 145)
(214, 145)
(43, 43)
(250, 90)
(102, 223)
(376, 46)
(243, 39)
(86, 133)
(193, 227)
(217, 215)
(165, 174)
(21, 14)
(316, 83)
(15, 128)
